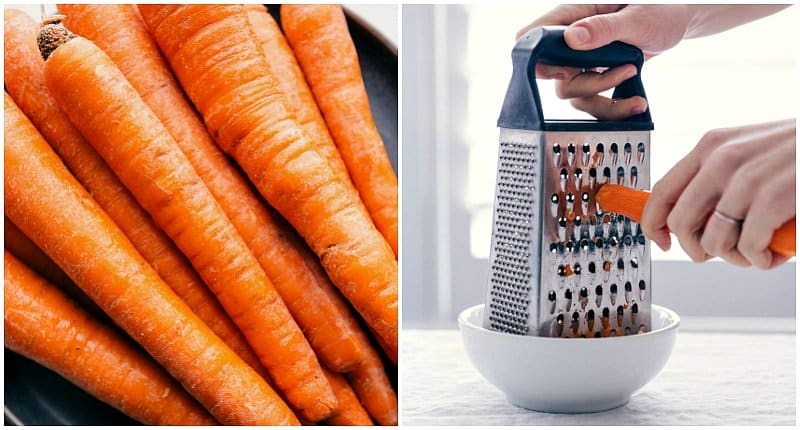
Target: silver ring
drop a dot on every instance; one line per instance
(728, 219)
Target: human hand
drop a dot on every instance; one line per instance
(743, 173)
(652, 28)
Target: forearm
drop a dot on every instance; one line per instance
(712, 19)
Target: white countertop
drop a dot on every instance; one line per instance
(710, 379)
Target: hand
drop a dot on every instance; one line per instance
(745, 173)
(652, 28)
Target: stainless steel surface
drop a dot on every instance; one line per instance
(570, 270)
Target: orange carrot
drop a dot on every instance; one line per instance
(42, 197)
(109, 112)
(118, 32)
(24, 79)
(293, 84)
(32, 256)
(369, 379)
(322, 44)
(213, 54)
(630, 203)
(26, 251)
(350, 412)
(44, 325)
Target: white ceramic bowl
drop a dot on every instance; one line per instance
(568, 375)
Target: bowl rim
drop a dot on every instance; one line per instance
(675, 322)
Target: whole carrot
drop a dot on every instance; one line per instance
(322, 44)
(293, 84)
(44, 325)
(350, 412)
(24, 80)
(213, 54)
(126, 133)
(42, 197)
(118, 31)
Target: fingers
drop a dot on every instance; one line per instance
(583, 86)
(567, 14)
(687, 219)
(547, 71)
(590, 83)
(664, 196)
(720, 239)
(601, 29)
(773, 205)
(606, 109)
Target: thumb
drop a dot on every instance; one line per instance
(600, 30)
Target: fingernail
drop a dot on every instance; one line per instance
(558, 76)
(637, 109)
(663, 241)
(578, 34)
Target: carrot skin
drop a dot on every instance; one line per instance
(24, 79)
(350, 412)
(44, 325)
(42, 197)
(225, 75)
(30, 255)
(287, 71)
(117, 30)
(127, 134)
(369, 380)
(322, 44)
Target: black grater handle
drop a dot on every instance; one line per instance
(522, 107)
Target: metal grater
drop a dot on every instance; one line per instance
(559, 266)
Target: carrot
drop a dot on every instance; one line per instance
(350, 412)
(42, 197)
(293, 84)
(24, 79)
(369, 379)
(321, 41)
(44, 325)
(114, 119)
(213, 54)
(630, 203)
(32, 256)
(119, 32)
(26, 251)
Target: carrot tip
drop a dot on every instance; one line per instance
(52, 35)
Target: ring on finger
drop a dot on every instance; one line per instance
(727, 218)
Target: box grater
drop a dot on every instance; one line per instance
(559, 266)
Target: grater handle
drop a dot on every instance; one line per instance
(522, 108)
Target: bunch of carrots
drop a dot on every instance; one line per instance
(214, 187)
